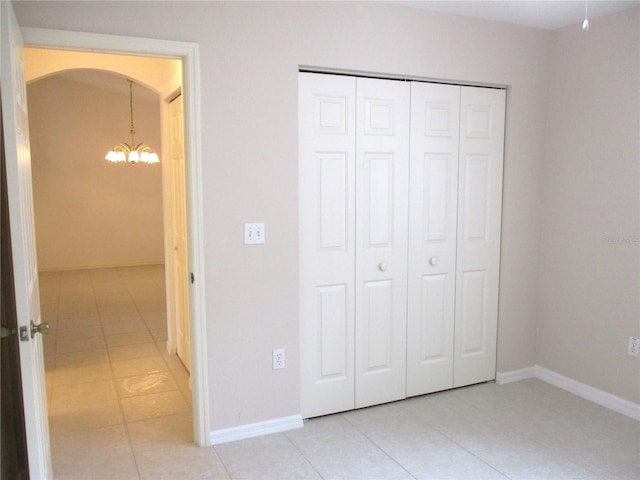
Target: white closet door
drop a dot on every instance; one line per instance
(327, 242)
(479, 215)
(382, 175)
(433, 190)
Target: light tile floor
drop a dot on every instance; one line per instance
(111, 385)
(120, 408)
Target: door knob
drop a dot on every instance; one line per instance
(382, 266)
(433, 261)
(42, 328)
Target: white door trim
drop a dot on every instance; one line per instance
(189, 54)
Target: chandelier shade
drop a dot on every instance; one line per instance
(132, 152)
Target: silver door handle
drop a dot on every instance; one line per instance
(42, 328)
(382, 266)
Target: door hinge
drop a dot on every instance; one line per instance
(23, 331)
(25, 334)
(192, 276)
(7, 331)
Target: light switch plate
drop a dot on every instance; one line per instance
(253, 233)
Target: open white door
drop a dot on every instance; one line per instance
(179, 267)
(18, 158)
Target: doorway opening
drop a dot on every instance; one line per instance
(188, 54)
(113, 281)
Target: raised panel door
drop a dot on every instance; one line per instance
(21, 220)
(327, 242)
(479, 223)
(179, 274)
(398, 272)
(382, 179)
(433, 193)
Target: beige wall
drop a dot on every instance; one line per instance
(590, 262)
(90, 212)
(250, 54)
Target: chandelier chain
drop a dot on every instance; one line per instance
(132, 153)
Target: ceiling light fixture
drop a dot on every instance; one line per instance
(131, 152)
(585, 24)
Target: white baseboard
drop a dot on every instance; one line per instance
(595, 395)
(171, 348)
(617, 404)
(515, 375)
(592, 394)
(97, 266)
(255, 429)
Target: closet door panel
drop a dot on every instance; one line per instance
(327, 242)
(479, 223)
(433, 194)
(382, 162)
(377, 325)
(333, 320)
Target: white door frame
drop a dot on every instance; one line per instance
(189, 54)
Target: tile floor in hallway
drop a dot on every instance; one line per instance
(120, 408)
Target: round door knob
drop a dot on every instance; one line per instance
(433, 261)
(382, 266)
(42, 328)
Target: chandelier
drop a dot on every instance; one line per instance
(132, 152)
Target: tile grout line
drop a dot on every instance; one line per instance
(373, 442)
(302, 453)
(436, 429)
(473, 454)
(224, 465)
(527, 436)
(113, 377)
(169, 371)
(485, 461)
(119, 400)
(540, 444)
(155, 342)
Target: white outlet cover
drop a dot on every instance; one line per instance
(634, 346)
(278, 358)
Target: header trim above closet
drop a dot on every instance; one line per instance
(400, 78)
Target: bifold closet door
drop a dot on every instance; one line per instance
(435, 126)
(353, 184)
(482, 115)
(382, 182)
(327, 242)
(457, 141)
(398, 275)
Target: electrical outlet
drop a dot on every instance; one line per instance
(634, 346)
(278, 358)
